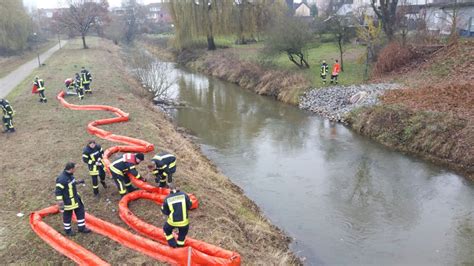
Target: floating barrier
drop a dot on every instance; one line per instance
(201, 252)
(194, 253)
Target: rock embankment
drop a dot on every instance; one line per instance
(336, 102)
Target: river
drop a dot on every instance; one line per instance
(343, 198)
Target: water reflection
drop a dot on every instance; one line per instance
(344, 198)
(228, 118)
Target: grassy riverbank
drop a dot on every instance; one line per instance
(48, 135)
(433, 115)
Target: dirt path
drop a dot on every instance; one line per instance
(10, 81)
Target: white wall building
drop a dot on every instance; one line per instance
(303, 10)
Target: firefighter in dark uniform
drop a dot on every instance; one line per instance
(8, 114)
(163, 166)
(324, 71)
(121, 167)
(79, 86)
(39, 83)
(176, 206)
(92, 156)
(86, 78)
(69, 200)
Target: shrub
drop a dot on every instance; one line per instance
(393, 56)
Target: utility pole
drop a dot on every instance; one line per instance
(59, 40)
(36, 46)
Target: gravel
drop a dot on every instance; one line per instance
(335, 102)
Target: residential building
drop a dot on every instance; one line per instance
(439, 17)
(302, 10)
(158, 13)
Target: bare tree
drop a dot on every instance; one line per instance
(83, 15)
(452, 18)
(152, 74)
(370, 34)
(344, 30)
(386, 11)
(134, 19)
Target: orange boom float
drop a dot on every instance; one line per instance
(195, 252)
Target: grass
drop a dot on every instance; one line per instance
(49, 135)
(316, 52)
(353, 68)
(8, 64)
(441, 137)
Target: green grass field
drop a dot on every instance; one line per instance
(353, 59)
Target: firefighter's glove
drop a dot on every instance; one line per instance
(61, 206)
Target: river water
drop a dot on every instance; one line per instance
(343, 198)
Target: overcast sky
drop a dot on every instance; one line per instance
(59, 3)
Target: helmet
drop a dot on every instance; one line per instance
(140, 156)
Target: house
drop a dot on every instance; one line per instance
(439, 17)
(158, 13)
(301, 10)
(118, 11)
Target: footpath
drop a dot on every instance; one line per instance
(10, 81)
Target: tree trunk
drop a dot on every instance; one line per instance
(241, 23)
(210, 43)
(341, 53)
(302, 62)
(210, 36)
(366, 72)
(84, 41)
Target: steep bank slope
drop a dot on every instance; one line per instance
(432, 116)
(48, 135)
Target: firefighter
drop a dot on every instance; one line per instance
(324, 71)
(69, 83)
(8, 114)
(69, 200)
(123, 166)
(176, 206)
(39, 83)
(163, 166)
(86, 78)
(79, 86)
(336, 68)
(92, 156)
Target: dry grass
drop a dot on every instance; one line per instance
(48, 135)
(432, 118)
(452, 64)
(283, 85)
(392, 56)
(457, 99)
(443, 138)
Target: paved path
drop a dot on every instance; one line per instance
(10, 81)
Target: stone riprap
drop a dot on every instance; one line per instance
(336, 102)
